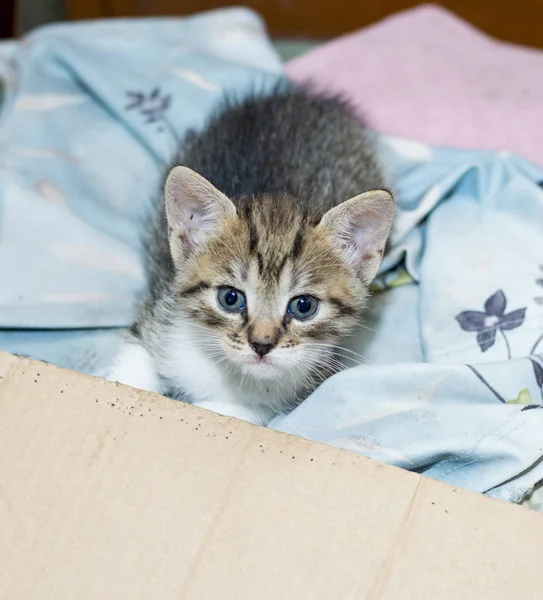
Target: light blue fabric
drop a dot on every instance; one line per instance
(470, 231)
(95, 111)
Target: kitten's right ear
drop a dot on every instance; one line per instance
(194, 209)
(360, 228)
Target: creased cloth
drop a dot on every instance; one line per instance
(452, 384)
(92, 115)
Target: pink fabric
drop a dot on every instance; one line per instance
(426, 74)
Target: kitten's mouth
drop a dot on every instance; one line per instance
(260, 367)
(261, 360)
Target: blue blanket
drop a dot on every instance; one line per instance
(451, 384)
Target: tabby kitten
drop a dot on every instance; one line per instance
(261, 258)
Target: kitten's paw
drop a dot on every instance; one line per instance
(134, 366)
(230, 409)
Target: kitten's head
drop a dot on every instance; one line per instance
(271, 288)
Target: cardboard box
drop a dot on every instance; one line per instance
(107, 492)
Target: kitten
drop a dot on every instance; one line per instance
(270, 234)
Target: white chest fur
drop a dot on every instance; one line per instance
(204, 377)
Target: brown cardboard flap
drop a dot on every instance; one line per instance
(111, 493)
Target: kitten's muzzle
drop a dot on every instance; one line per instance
(262, 348)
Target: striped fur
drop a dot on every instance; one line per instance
(260, 206)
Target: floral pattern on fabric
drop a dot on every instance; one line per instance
(153, 107)
(492, 320)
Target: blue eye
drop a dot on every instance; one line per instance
(303, 307)
(231, 300)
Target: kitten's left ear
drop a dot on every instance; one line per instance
(194, 209)
(361, 227)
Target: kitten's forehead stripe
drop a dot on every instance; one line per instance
(260, 261)
(277, 230)
(242, 272)
(298, 244)
(253, 235)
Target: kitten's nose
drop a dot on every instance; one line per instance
(261, 348)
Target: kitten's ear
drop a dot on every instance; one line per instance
(361, 226)
(194, 209)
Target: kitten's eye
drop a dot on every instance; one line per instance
(303, 307)
(231, 299)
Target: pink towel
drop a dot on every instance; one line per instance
(426, 74)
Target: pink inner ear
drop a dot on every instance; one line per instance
(361, 227)
(196, 216)
(194, 206)
(190, 217)
(369, 234)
